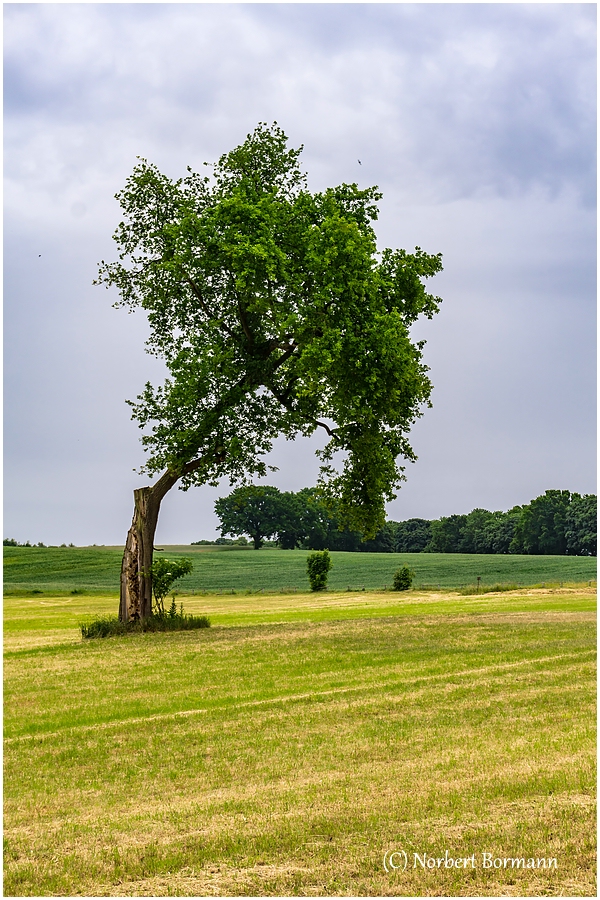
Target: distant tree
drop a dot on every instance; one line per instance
(446, 534)
(275, 315)
(255, 510)
(581, 525)
(342, 539)
(501, 529)
(542, 524)
(9, 542)
(475, 532)
(293, 521)
(480, 531)
(316, 519)
(383, 542)
(412, 535)
(322, 524)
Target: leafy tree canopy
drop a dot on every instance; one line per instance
(555, 522)
(581, 525)
(412, 535)
(275, 314)
(295, 519)
(255, 510)
(541, 526)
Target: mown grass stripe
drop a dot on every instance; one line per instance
(309, 695)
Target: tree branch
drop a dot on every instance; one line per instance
(244, 323)
(204, 306)
(286, 403)
(196, 463)
(169, 478)
(329, 431)
(289, 350)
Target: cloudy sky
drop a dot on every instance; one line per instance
(476, 121)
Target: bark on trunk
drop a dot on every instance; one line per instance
(136, 568)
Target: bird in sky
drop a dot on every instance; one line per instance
(359, 162)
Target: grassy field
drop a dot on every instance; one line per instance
(287, 748)
(96, 569)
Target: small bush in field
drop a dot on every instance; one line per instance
(318, 565)
(403, 579)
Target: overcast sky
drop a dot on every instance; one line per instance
(476, 121)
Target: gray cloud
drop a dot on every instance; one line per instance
(478, 122)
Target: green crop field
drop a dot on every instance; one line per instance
(223, 569)
(291, 746)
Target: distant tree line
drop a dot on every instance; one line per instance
(11, 542)
(557, 522)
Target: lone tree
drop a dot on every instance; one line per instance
(275, 315)
(255, 510)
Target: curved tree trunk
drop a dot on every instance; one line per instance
(136, 575)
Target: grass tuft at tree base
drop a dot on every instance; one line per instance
(108, 626)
